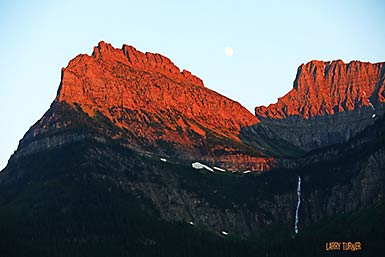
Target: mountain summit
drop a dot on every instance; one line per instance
(330, 103)
(146, 103)
(136, 158)
(324, 88)
(127, 78)
(153, 107)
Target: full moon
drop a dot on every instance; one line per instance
(229, 51)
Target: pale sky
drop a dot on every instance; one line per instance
(270, 39)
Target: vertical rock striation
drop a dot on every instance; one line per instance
(330, 102)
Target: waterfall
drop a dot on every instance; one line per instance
(371, 105)
(298, 204)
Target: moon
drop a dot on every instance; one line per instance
(229, 51)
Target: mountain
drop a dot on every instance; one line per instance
(326, 88)
(151, 106)
(111, 170)
(330, 103)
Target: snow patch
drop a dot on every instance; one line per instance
(219, 169)
(199, 166)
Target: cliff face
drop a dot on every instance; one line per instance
(152, 106)
(110, 161)
(112, 80)
(325, 88)
(335, 181)
(330, 102)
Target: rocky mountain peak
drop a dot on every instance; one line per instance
(150, 62)
(322, 88)
(128, 78)
(157, 107)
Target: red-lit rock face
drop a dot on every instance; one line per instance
(128, 78)
(146, 95)
(329, 87)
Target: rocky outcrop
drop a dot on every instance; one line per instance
(330, 103)
(145, 101)
(129, 79)
(325, 88)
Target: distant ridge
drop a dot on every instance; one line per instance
(322, 88)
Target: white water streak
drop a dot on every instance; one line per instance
(371, 105)
(298, 204)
